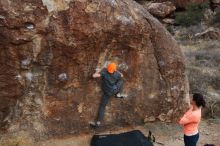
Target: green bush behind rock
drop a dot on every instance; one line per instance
(192, 16)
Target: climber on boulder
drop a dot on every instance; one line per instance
(112, 85)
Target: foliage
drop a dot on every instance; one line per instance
(170, 29)
(217, 18)
(192, 16)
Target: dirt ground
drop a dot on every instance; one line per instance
(166, 135)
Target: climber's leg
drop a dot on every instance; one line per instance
(102, 107)
(101, 111)
(119, 85)
(118, 92)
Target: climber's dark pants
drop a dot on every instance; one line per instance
(105, 99)
(119, 85)
(102, 107)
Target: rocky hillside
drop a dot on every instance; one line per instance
(196, 28)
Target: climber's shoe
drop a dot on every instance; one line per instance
(122, 96)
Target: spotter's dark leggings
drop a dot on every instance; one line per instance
(191, 140)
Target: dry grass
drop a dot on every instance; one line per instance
(203, 67)
(18, 139)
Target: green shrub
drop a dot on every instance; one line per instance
(192, 16)
(170, 29)
(217, 18)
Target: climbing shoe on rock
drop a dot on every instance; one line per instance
(122, 96)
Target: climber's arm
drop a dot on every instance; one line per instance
(96, 75)
(120, 74)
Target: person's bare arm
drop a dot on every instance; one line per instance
(96, 75)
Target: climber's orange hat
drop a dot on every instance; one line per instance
(111, 68)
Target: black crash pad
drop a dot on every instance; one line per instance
(131, 138)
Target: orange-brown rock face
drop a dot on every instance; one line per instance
(49, 50)
(161, 9)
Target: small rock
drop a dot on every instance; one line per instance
(211, 32)
(170, 112)
(161, 9)
(162, 117)
(208, 15)
(149, 119)
(169, 21)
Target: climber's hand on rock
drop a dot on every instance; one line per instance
(96, 75)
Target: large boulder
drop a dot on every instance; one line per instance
(49, 50)
(211, 33)
(184, 3)
(215, 1)
(161, 9)
(215, 5)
